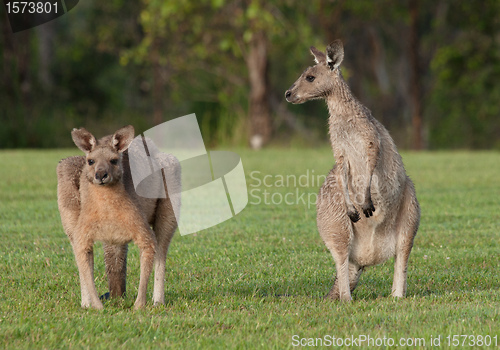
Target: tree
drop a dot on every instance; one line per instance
(415, 76)
(466, 69)
(240, 31)
(16, 84)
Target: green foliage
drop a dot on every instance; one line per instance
(257, 279)
(105, 60)
(465, 99)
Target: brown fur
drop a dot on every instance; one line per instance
(368, 178)
(97, 201)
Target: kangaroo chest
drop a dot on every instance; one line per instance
(348, 141)
(109, 215)
(349, 145)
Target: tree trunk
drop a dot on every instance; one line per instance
(45, 35)
(16, 81)
(158, 83)
(8, 61)
(329, 17)
(378, 60)
(259, 106)
(415, 77)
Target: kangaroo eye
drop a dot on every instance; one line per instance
(91, 161)
(114, 161)
(310, 78)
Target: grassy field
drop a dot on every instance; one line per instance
(257, 281)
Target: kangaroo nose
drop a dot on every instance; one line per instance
(288, 94)
(101, 175)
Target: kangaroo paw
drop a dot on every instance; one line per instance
(353, 215)
(368, 208)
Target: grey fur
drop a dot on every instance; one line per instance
(368, 178)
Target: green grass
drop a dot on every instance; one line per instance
(257, 280)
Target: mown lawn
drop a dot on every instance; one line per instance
(257, 281)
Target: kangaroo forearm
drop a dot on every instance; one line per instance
(344, 179)
(343, 182)
(373, 155)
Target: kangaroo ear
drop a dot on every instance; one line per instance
(83, 139)
(319, 57)
(122, 138)
(334, 54)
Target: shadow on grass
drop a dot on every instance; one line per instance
(424, 280)
(369, 289)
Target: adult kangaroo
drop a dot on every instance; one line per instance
(368, 177)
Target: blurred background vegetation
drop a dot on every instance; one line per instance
(428, 70)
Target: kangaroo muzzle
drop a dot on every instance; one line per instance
(102, 177)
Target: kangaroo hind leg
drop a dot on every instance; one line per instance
(115, 259)
(406, 229)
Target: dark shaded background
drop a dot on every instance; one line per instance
(428, 70)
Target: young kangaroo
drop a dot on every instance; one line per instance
(368, 177)
(97, 201)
